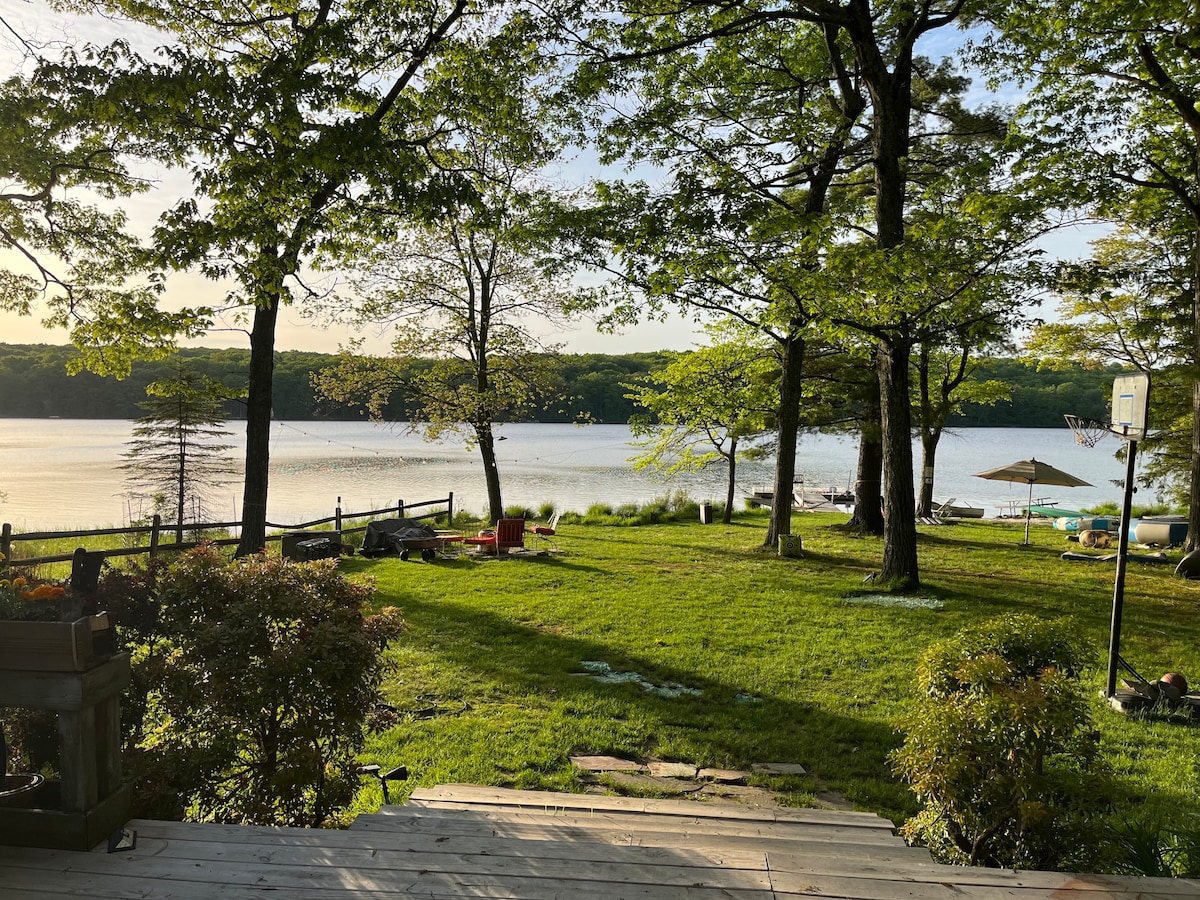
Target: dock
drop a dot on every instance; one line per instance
(806, 500)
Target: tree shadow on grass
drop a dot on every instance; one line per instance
(500, 663)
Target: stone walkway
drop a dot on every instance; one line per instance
(675, 779)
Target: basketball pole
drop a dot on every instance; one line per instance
(1114, 637)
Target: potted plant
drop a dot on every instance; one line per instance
(43, 628)
(22, 603)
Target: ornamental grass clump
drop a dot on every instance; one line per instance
(1001, 750)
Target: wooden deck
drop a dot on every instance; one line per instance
(459, 841)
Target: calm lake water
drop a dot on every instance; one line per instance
(65, 473)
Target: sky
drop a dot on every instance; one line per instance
(33, 20)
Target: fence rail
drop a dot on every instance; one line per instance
(155, 545)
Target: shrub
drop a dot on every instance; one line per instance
(1000, 749)
(258, 679)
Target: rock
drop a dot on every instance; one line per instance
(672, 769)
(607, 764)
(726, 776)
(779, 768)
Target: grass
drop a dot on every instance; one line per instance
(489, 688)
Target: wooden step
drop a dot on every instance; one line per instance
(377, 853)
(649, 823)
(467, 795)
(673, 834)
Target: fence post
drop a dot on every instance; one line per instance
(155, 525)
(450, 510)
(6, 543)
(400, 510)
(337, 516)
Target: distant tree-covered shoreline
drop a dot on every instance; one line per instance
(34, 383)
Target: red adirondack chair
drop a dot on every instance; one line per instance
(508, 534)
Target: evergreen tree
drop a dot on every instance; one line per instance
(176, 452)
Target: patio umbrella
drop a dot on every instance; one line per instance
(1032, 472)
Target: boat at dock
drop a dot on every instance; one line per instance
(828, 499)
(959, 509)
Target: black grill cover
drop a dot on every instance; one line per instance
(383, 535)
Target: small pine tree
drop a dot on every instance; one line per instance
(176, 453)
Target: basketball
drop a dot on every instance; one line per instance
(1177, 681)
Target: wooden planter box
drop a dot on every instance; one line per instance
(91, 799)
(56, 646)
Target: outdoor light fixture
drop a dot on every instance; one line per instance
(400, 773)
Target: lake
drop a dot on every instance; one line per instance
(65, 473)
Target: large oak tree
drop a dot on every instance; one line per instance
(289, 118)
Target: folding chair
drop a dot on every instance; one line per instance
(543, 533)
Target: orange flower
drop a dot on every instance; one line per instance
(19, 582)
(44, 592)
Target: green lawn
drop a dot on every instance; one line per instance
(490, 688)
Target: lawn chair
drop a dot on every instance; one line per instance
(543, 533)
(509, 534)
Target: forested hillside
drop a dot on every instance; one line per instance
(34, 384)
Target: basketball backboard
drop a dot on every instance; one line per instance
(1130, 405)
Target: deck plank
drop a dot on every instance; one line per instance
(651, 865)
(592, 861)
(508, 845)
(459, 795)
(157, 877)
(355, 844)
(650, 824)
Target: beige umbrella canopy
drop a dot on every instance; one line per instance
(1032, 472)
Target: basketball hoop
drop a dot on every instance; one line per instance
(1088, 432)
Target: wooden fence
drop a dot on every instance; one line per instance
(155, 531)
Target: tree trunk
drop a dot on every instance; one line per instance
(900, 520)
(491, 472)
(891, 95)
(790, 384)
(258, 427)
(1193, 539)
(727, 516)
(868, 483)
(181, 486)
(929, 444)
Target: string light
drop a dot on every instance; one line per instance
(553, 457)
(567, 454)
(331, 440)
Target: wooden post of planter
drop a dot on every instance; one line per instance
(6, 543)
(92, 800)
